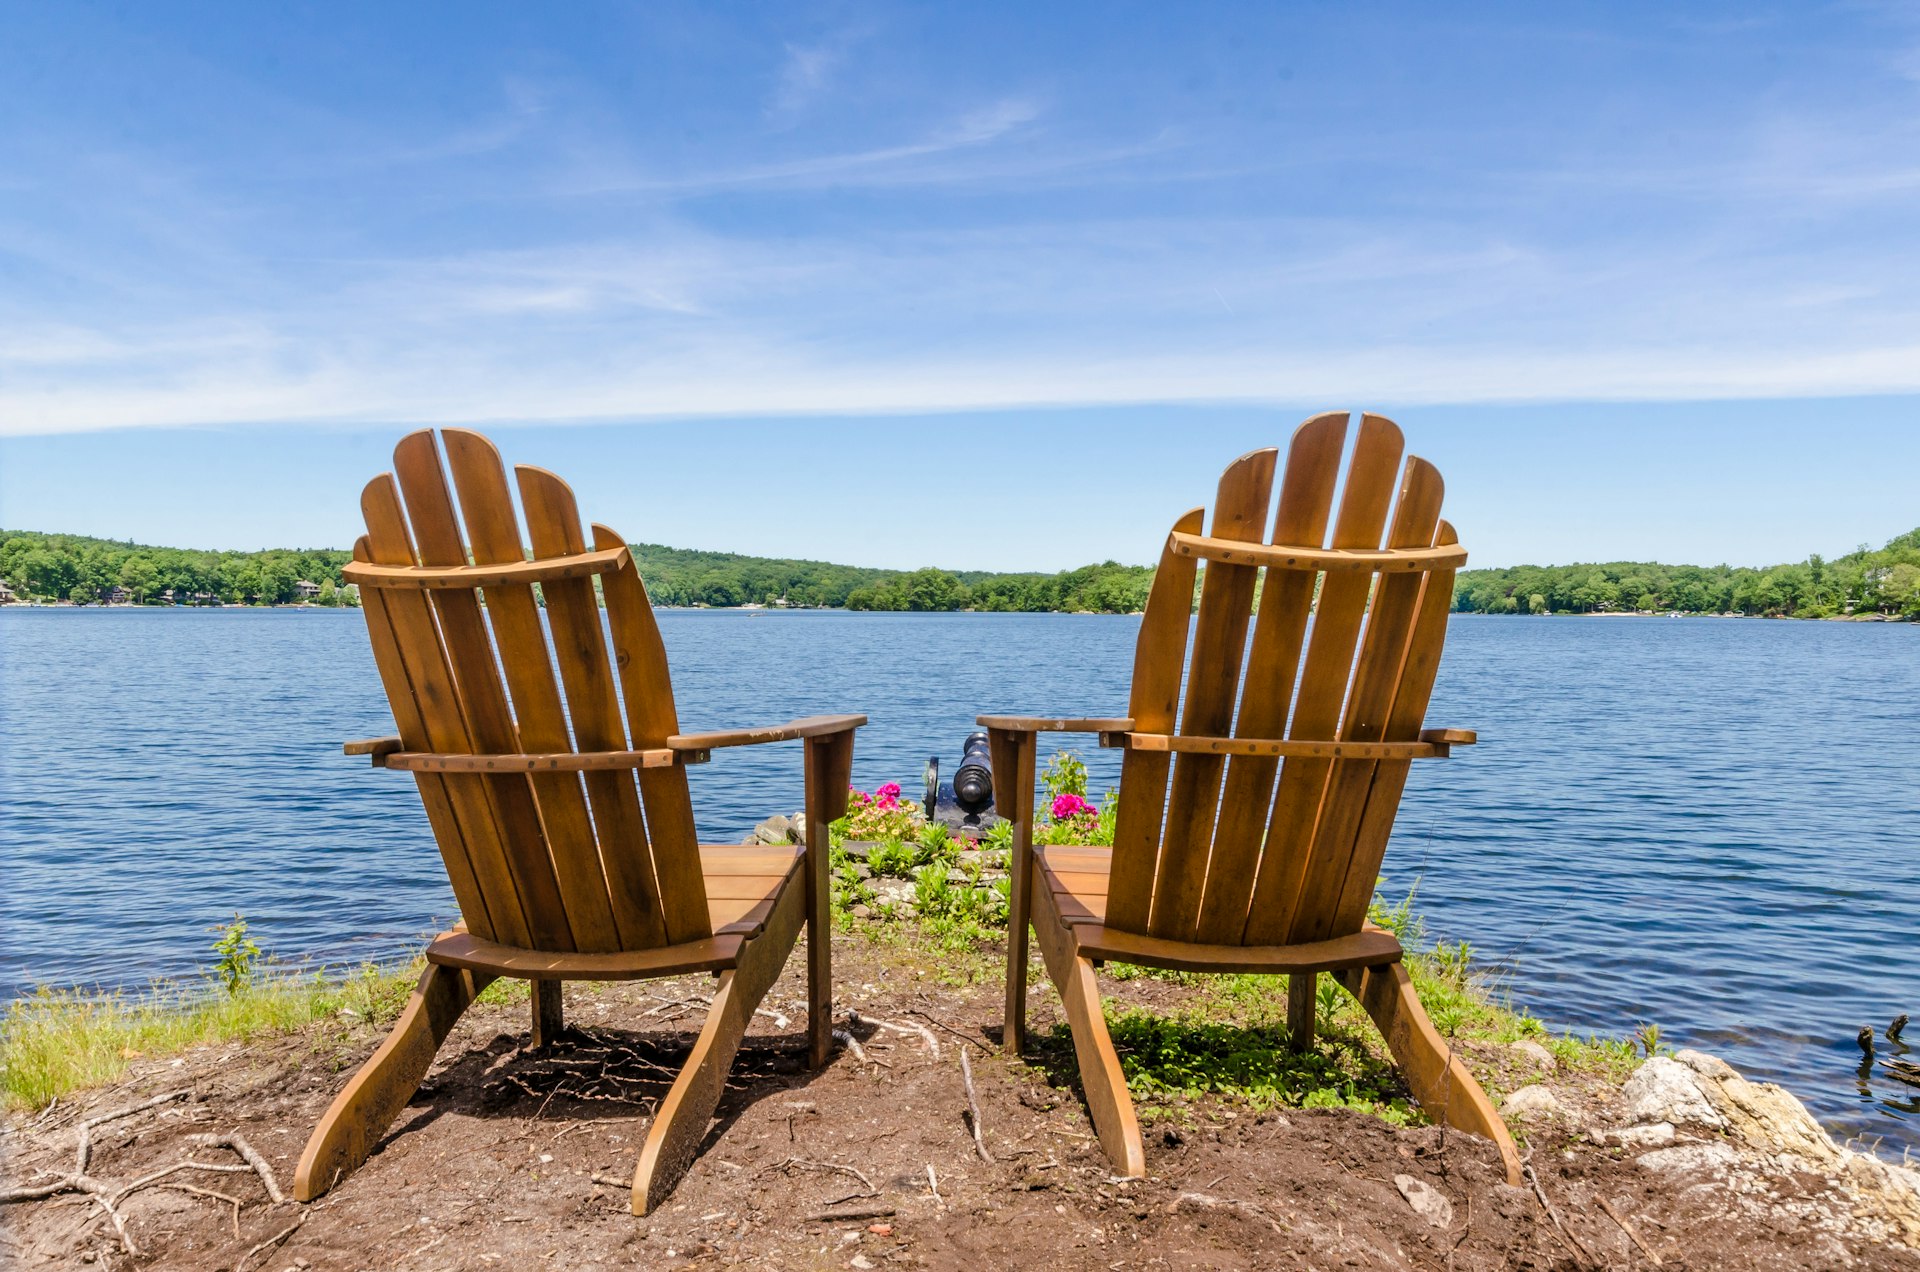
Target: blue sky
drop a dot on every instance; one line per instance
(1642, 279)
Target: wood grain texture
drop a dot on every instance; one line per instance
(1159, 659)
(1273, 659)
(1012, 753)
(1101, 1079)
(406, 634)
(624, 860)
(1446, 1089)
(681, 1121)
(1279, 555)
(493, 534)
(483, 698)
(647, 688)
(828, 768)
(1409, 708)
(1213, 683)
(1329, 659)
(1056, 724)
(546, 762)
(1376, 680)
(354, 1123)
(520, 573)
(807, 727)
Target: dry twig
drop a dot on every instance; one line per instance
(1573, 1242)
(857, 1212)
(251, 1156)
(270, 1242)
(1628, 1228)
(973, 1108)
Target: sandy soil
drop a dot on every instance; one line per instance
(499, 1162)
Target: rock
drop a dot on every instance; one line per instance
(1428, 1202)
(1531, 1103)
(799, 824)
(1664, 1090)
(1652, 1135)
(1713, 1156)
(1705, 1065)
(1535, 1054)
(857, 849)
(775, 830)
(861, 912)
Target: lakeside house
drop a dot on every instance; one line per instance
(7, 595)
(117, 595)
(306, 590)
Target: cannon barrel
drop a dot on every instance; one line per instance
(973, 780)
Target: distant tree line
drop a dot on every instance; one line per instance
(681, 576)
(1882, 581)
(73, 567)
(1866, 581)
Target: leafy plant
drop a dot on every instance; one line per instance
(234, 955)
(881, 815)
(1065, 774)
(893, 858)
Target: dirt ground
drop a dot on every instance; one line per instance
(512, 1159)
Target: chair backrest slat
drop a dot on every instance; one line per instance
(493, 537)
(1213, 682)
(1252, 849)
(1409, 710)
(553, 520)
(483, 698)
(551, 860)
(1160, 652)
(440, 801)
(1376, 679)
(1279, 633)
(652, 718)
(423, 658)
(1337, 618)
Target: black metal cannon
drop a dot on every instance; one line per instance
(967, 801)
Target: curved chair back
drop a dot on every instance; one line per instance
(529, 781)
(1264, 818)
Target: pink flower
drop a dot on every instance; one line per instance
(1067, 807)
(890, 791)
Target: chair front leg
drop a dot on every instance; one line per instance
(360, 1114)
(829, 767)
(1013, 754)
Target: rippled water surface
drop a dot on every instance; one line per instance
(1713, 825)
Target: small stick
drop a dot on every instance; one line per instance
(1629, 1230)
(83, 1148)
(271, 1241)
(252, 1156)
(933, 1185)
(1573, 1242)
(945, 1028)
(852, 1044)
(973, 1108)
(858, 1212)
(610, 1182)
(801, 1161)
(908, 1028)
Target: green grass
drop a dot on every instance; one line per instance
(57, 1041)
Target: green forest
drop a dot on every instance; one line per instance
(1868, 581)
(1865, 581)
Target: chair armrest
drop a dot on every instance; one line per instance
(807, 727)
(1054, 724)
(376, 747)
(1449, 737)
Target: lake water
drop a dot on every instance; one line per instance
(1712, 825)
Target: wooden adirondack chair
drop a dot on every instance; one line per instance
(1251, 829)
(563, 870)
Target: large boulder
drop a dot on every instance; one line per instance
(1664, 1090)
